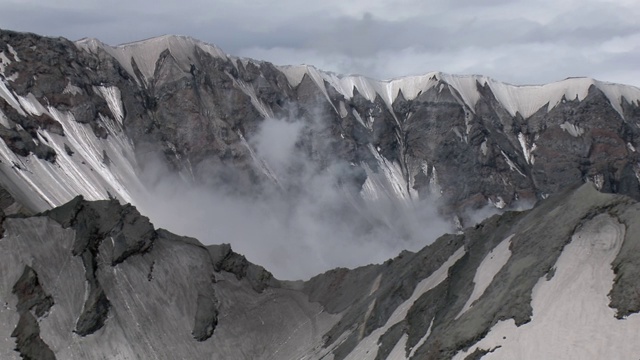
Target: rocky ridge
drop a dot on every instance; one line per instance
(153, 284)
(468, 140)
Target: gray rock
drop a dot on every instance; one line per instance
(206, 318)
(31, 297)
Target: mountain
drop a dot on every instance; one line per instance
(470, 139)
(90, 280)
(176, 126)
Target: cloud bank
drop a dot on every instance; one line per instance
(305, 218)
(516, 41)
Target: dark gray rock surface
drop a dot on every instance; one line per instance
(31, 297)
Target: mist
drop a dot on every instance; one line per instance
(301, 219)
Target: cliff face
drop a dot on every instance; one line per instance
(98, 112)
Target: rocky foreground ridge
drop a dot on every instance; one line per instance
(90, 280)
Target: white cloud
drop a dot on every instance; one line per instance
(307, 223)
(513, 40)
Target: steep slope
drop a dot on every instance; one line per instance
(471, 140)
(94, 279)
(62, 126)
(493, 286)
(158, 295)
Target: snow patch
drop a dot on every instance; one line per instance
(617, 93)
(12, 165)
(572, 129)
(342, 110)
(114, 100)
(13, 77)
(9, 97)
(571, 314)
(72, 89)
(526, 150)
(356, 114)
(631, 147)
(512, 166)
(434, 185)
(13, 52)
(388, 90)
(263, 109)
(459, 134)
(4, 61)
(365, 350)
(499, 203)
(598, 181)
(31, 105)
(49, 184)
(398, 352)
(376, 284)
(527, 100)
(294, 73)
(483, 147)
(524, 100)
(146, 52)
(390, 182)
(489, 267)
(257, 160)
(422, 340)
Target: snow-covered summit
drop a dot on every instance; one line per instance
(516, 99)
(145, 53)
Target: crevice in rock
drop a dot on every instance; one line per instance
(150, 274)
(32, 302)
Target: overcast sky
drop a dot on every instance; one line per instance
(520, 41)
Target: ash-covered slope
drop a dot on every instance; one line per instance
(90, 280)
(82, 118)
(95, 279)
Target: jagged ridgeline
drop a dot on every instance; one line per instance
(81, 118)
(91, 278)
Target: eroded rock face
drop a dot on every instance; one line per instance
(469, 140)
